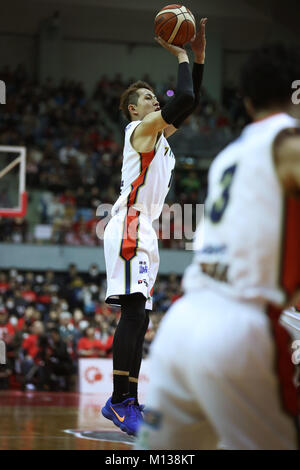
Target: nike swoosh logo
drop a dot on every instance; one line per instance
(119, 417)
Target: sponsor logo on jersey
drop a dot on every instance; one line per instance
(143, 267)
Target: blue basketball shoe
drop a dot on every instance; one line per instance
(126, 415)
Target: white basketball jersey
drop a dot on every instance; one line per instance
(242, 244)
(146, 177)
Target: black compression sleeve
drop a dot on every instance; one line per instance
(197, 79)
(184, 96)
(197, 82)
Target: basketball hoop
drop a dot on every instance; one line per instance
(21, 209)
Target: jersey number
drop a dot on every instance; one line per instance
(220, 205)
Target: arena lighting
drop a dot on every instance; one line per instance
(170, 92)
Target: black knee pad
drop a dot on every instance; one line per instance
(133, 307)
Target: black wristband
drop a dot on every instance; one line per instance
(184, 96)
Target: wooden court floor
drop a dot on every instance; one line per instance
(57, 421)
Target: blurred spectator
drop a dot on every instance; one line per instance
(33, 304)
(66, 327)
(89, 346)
(75, 156)
(33, 348)
(58, 365)
(104, 332)
(7, 330)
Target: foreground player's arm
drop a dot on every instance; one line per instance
(287, 159)
(198, 47)
(145, 135)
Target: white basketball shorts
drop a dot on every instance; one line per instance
(131, 256)
(214, 367)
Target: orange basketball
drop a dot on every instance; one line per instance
(175, 24)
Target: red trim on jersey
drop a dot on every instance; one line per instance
(146, 159)
(290, 281)
(290, 260)
(130, 235)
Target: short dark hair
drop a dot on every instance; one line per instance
(266, 77)
(130, 96)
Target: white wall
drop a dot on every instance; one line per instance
(87, 60)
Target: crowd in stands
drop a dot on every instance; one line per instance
(49, 320)
(73, 156)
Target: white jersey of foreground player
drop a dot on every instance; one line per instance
(243, 222)
(213, 361)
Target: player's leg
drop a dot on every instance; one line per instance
(127, 340)
(151, 269)
(129, 288)
(137, 360)
(122, 408)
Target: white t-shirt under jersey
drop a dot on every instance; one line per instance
(146, 177)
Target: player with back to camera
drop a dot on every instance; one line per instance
(130, 242)
(234, 365)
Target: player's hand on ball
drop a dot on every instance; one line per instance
(176, 50)
(199, 42)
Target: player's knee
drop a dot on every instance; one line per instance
(133, 308)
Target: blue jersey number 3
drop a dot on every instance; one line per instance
(220, 205)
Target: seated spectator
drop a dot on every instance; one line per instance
(52, 320)
(105, 333)
(66, 327)
(28, 294)
(33, 347)
(58, 364)
(78, 318)
(55, 210)
(94, 275)
(7, 331)
(89, 346)
(19, 230)
(84, 211)
(4, 284)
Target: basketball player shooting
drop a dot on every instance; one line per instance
(130, 242)
(234, 371)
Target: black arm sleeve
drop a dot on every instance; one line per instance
(184, 96)
(197, 82)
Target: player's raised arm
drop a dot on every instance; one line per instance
(145, 135)
(287, 158)
(198, 45)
